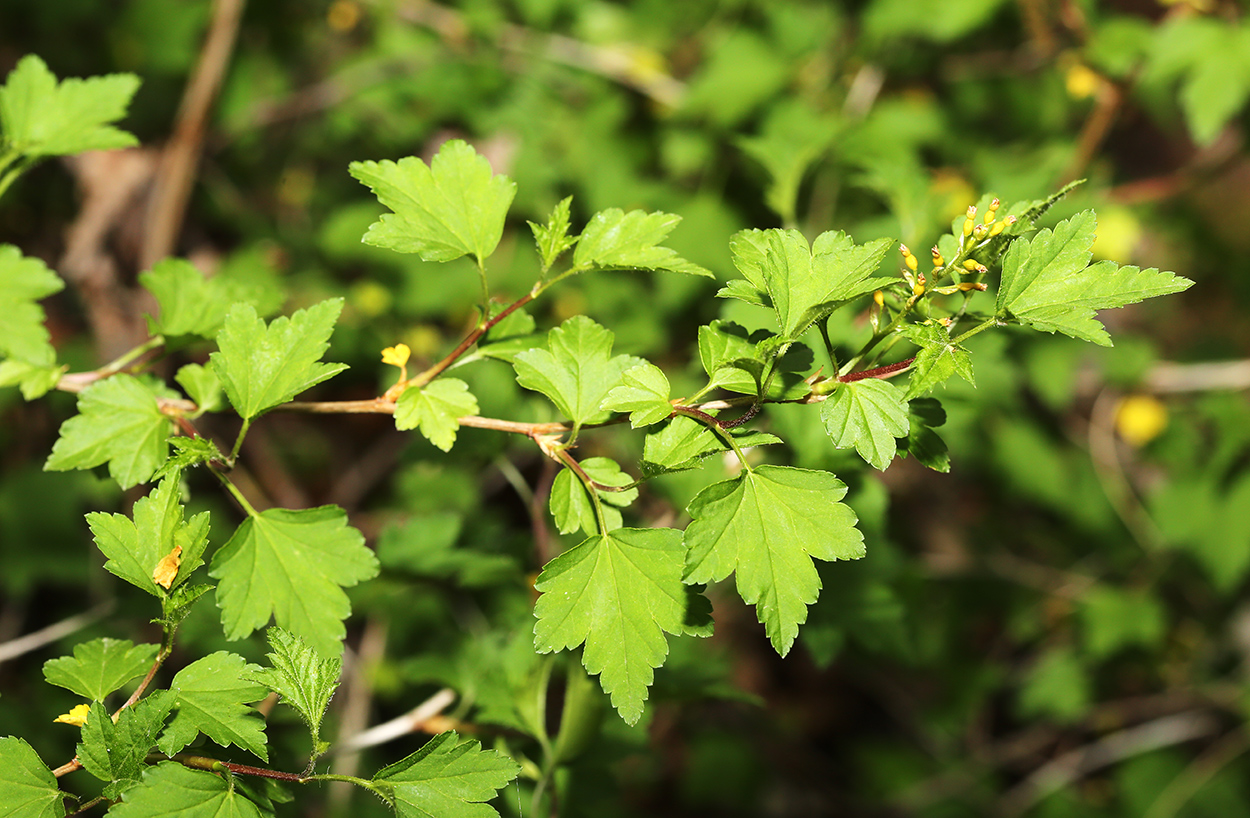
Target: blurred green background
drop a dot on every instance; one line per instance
(1055, 628)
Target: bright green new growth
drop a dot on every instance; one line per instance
(616, 240)
(100, 667)
(571, 507)
(41, 117)
(115, 753)
(618, 593)
(938, 359)
(866, 414)
(434, 409)
(643, 392)
(767, 525)
(303, 677)
(23, 282)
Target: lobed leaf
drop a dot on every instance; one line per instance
(28, 789)
(41, 117)
(23, 282)
(119, 422)
(618, 593)
(451, 208)
(868, 415)
(616, 240)
(937, 360)
(684, 443)
(448, 777)
(100, 667)
(115, 752)
(212, 697)
(303, 677)
(644, 393)
(290, 565)
(767, 525)
(172, 789)
(435, 409)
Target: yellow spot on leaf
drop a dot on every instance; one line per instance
(167, 568)
(77, 716)
(396, 355)
(1140, 419)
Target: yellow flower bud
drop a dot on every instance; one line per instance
(908, 257)
(938, 261)
(970, 220)
(971, 265)
(396, 355)
(989, 213)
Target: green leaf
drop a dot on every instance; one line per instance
(922, 443)
(451, 208)
(115, 752)
(805, 284)
(1056, 687)
(618, 593)
(425, 545)
(571, 506)
(937, 360)
(23, 282)
(448, 778)
(867, 414)
(1049, 284)
(576, 370)
(290, 565)
(189, 452)
(684, 442)
(1113, 619)
(120, 423)
(767, 525)
(99, 667)
(616, 240)
(644, 394)
(303, 677)
(28, 789)
(553, 237)
(135, 548)
(190, 303)
(212, 698)
(34, 381)
(436, 409)
(202, 386)
(730, 357)
(43, 118)
(172, 789)
(262, 366)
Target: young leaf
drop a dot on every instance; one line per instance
(922, 443)
(263, 366)
(115, 752)
(867, 414)
(135, 548)
(618, 593)
(435, 409)
(34, 381)
(188, 452)
(212, 697)
(99, 667)
(304, 678)
(576, 370)
(451, 208)
(40, 117)
(768, 524)
(730, 357)
(553, 237)
(172, 789)
(683, 443)
(120, 423)
(937, 360)
(23, 282)
(190, 303)
(616, 240)
(1049, 284)
(571, 506)
(805, 284)
(289, 565)
(643, 393)
(448, 778)
(28, 789)
(202, 386)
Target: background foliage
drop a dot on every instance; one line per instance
(1054, 627)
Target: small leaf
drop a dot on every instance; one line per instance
(23, 282)
(188, 452)
(40, 117)
(120, 423)
(683, 444)
(571, 506)
(172, 789)
(290, 565)
(922, 442)
(866, 414)
(28, 789)
(212, 697)
(305, 679)
(202, 386)
(34, 381)
(553, 237)
(643, 393)
(616, 240)
(937, 360)
(115, 752)
(449, 777)
(435, 409)
(768, 525)
(453, 207)
(730, 357)
(618, 593)
(100, 667)
(190, 303)
(576, 370)
(263, 366)
(136, 548)
(1049, 284)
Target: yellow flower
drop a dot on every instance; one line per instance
(77, 716)
(1140, 419)
(396, 355)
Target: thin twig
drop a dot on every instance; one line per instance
(410, 722)
(58, 630)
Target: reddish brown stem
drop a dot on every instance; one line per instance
(469, 340)
(877, 372)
